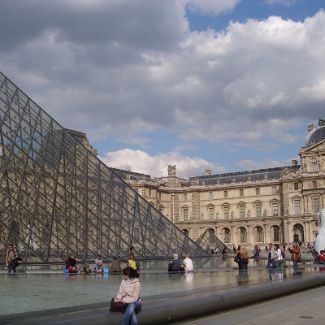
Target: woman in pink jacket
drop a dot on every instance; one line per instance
(129, 293)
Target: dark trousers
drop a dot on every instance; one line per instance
(12, 266)
(243, 263)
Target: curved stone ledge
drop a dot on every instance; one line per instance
(171, 308)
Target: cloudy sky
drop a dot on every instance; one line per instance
(221, 84)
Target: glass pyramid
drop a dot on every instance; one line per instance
(57, 198)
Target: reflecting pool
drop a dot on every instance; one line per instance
(48, 288)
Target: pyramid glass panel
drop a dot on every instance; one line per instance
(57, 198)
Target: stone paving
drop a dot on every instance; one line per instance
(305, 308)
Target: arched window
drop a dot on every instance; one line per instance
(298, 233)
(226, 235)
(259, 234)
(276, 233)
(243, 235)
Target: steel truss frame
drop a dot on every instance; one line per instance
(57, 198)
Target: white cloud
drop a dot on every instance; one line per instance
(211, 7)
(124, 75)
(281, 2)
(156, 165)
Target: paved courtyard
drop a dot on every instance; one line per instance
(303, 308)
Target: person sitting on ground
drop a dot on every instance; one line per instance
(188, 263)
(242, 258)
(295, 254)
(11, 259)
(71, 264)
(279, 257)
(85, 269)
(99, 264)
(176, 264)
(322, 257)
(129, 293)
(271, 257)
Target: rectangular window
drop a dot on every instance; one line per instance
(242, 211)
(296, 186)
(258, 211)
(296, 207)
(257, 191)
(150, 193)
(184, 196)
(314, 184)
(316, 205)
(241, 192)
(226, 212)
(185, 214)
(275, 209)
(210, 195)
(225, 193)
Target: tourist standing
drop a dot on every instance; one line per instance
(114, 266)
(256, 252)
(242, 258)
(278, 257)
(271, 257)
(295, 254)
(188, 263)
(11, 258)
(129, 293)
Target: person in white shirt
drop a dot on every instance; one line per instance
(278, 257)
(188, 263)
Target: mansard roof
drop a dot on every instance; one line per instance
(243, 176)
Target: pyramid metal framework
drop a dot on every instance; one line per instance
(208, 240)
(57, 198)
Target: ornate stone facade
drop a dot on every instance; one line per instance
(268, 205)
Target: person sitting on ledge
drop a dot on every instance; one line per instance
(132, 263)
(71, 264)
(188, 263)
(99, 264)
(176, 264)
(129, 293)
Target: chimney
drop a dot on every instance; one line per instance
(172, 170)
(208, 172)
(294, 163)
(310, 127)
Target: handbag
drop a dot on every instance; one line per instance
(118, 306)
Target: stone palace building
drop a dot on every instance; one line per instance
(276, 205)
